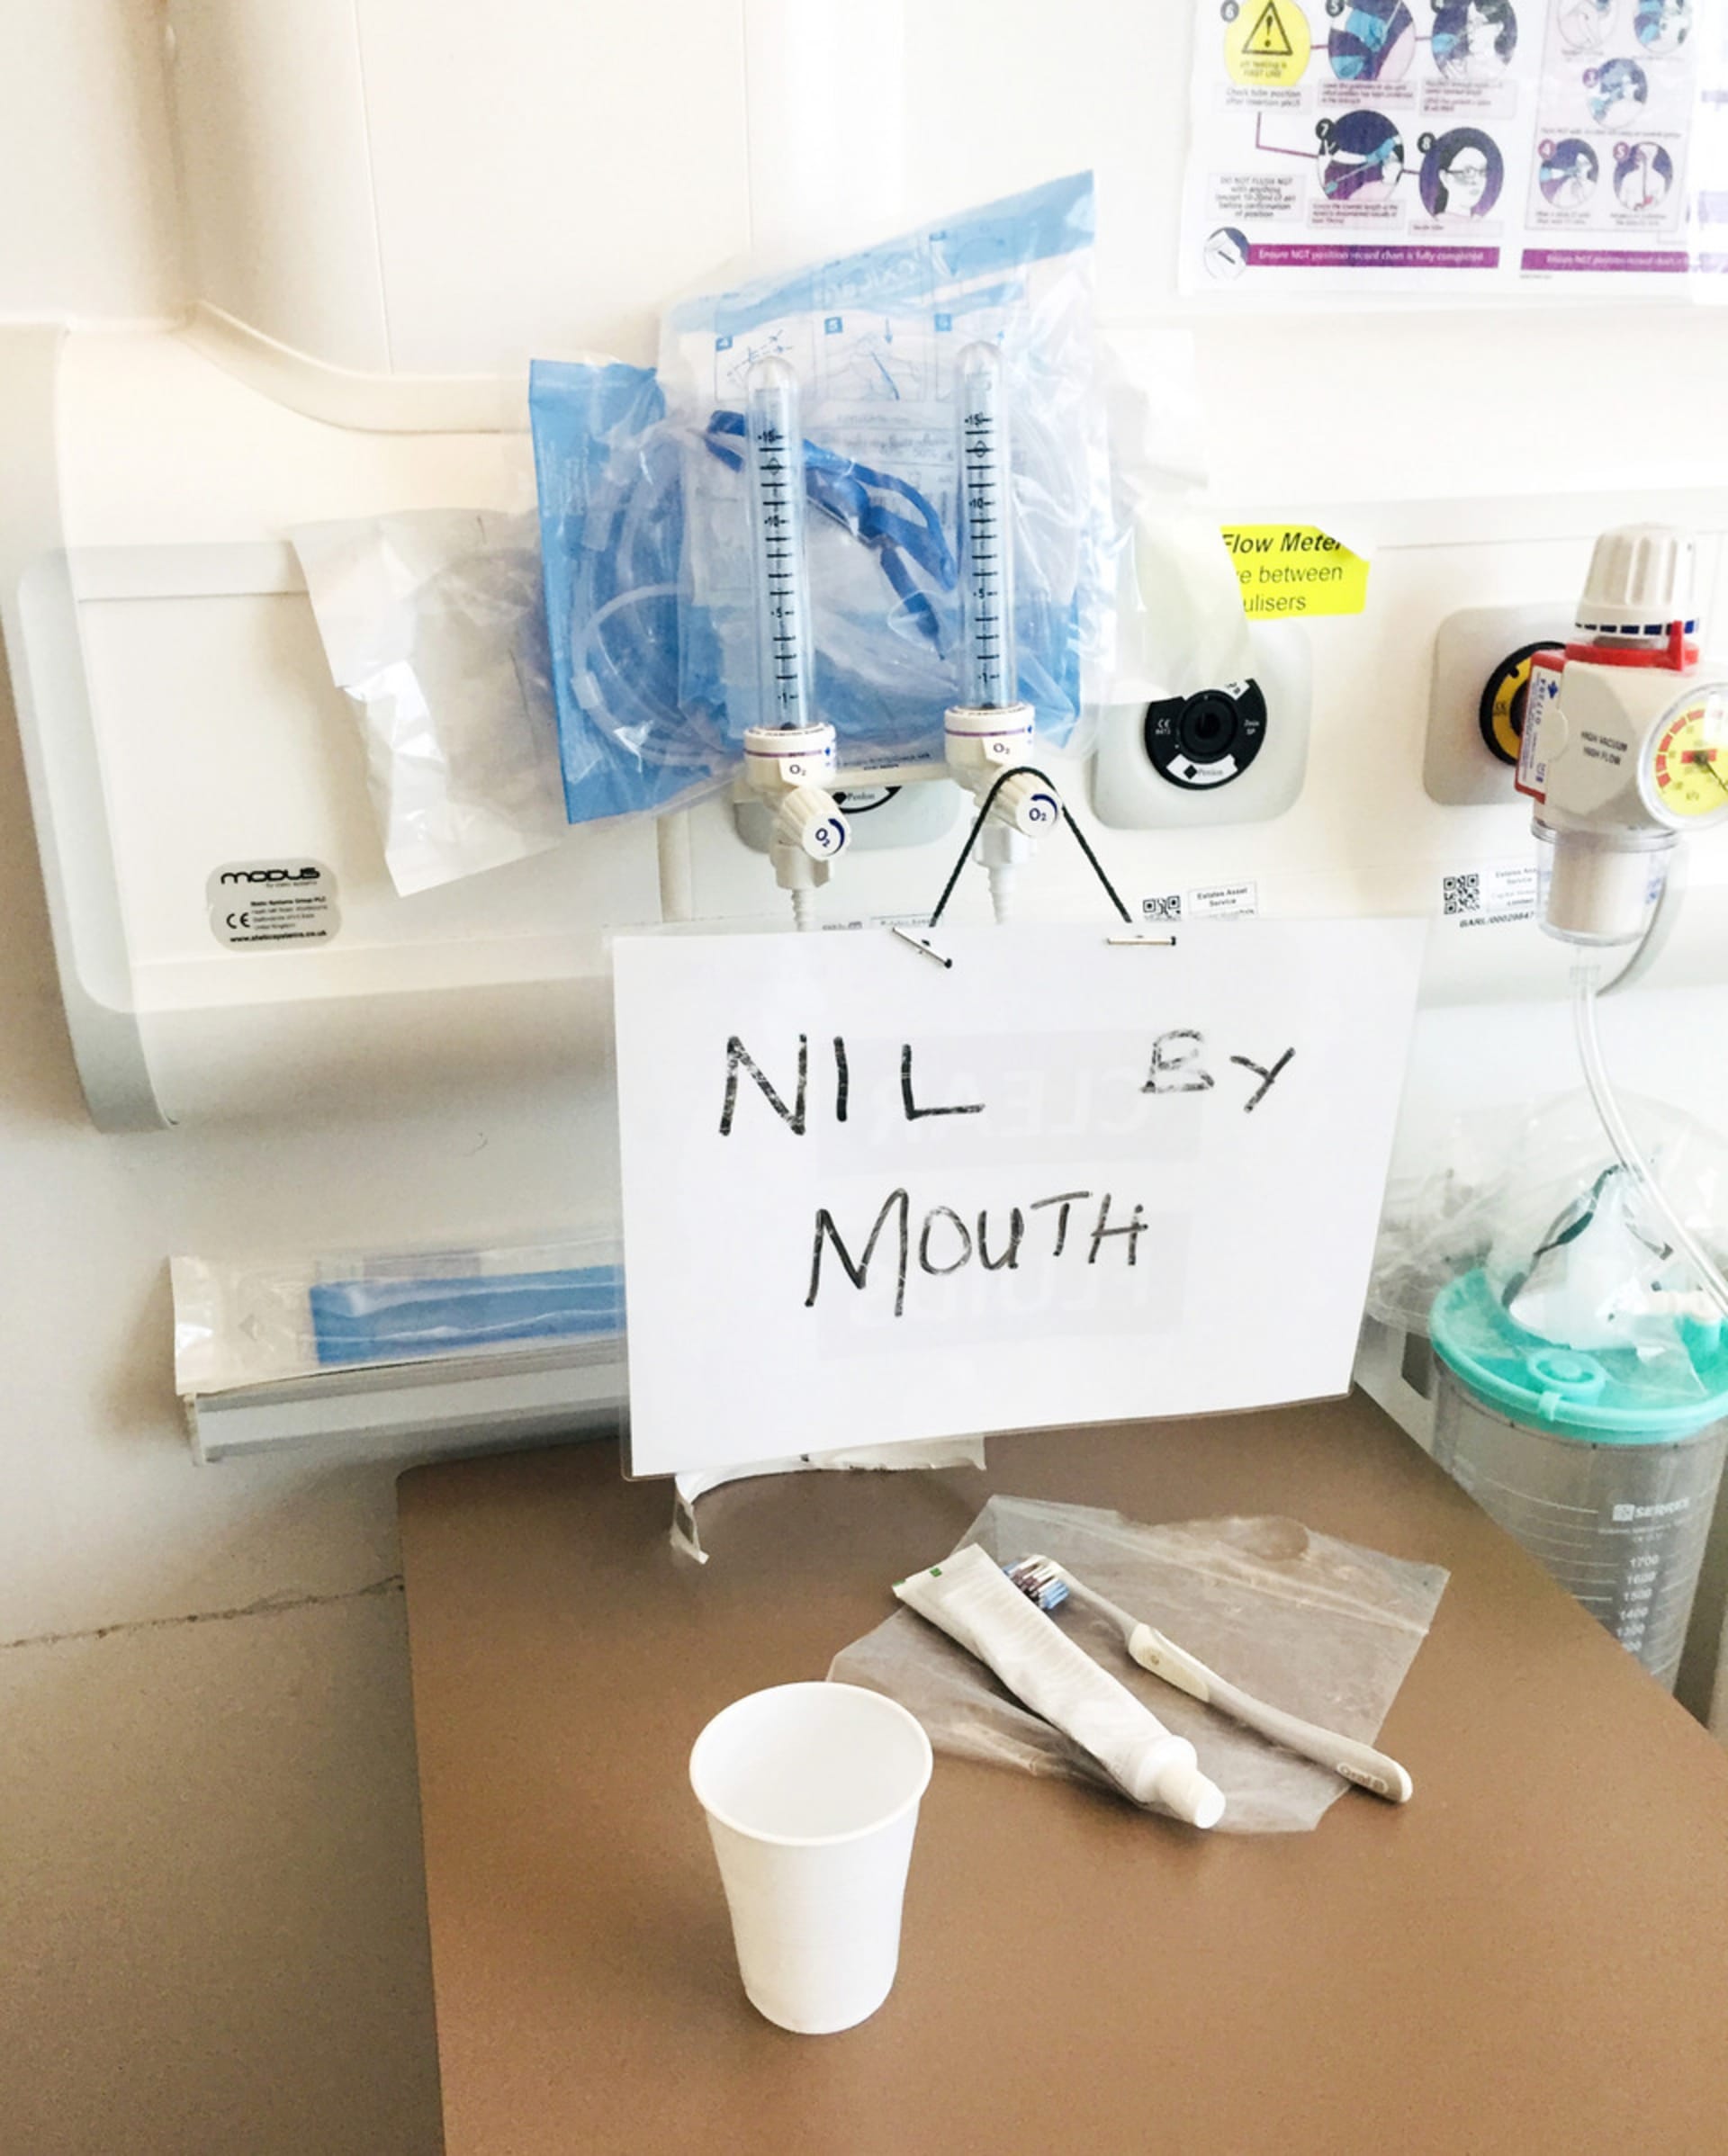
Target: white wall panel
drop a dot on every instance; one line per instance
(546, 175)
(89, 228)
(271, 119)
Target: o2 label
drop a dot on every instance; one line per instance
(280, 905)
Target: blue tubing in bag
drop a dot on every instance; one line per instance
(645, 534)
(639, 677)
(644, 717)
(386, 1320)
(877, 339)
(609, 478)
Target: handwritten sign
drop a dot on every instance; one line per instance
(867, 1199)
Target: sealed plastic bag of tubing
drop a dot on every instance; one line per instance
(609, 470)
(875, 339)
(1569, 1246)
(634, 736)
(432, 622)
(265, 1320)
(644, 525)
(1320, 1627)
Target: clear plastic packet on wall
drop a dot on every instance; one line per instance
(1322, 1628)
(432, 622)
(875, 339)
(609, 470)
(1180, 624)
(265, 1321)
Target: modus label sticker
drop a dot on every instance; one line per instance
(278, 906)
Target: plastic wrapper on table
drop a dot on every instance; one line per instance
(1319, 1627)
(265, 1321)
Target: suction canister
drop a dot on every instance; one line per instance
(1604, 1466)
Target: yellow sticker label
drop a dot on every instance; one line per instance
(1267, 42)
(1288, 571)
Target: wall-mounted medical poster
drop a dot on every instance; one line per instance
(1456, 145)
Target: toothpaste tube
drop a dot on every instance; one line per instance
(968, 1597)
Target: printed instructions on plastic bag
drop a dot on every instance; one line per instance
(1399, 144)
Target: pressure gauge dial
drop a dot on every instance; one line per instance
(1686, 772)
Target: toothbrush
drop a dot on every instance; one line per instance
(1044, 1582)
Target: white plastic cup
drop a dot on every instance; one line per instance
(812, 1794)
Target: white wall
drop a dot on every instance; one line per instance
(211, 1931)
(90, 228)
(212, 1919)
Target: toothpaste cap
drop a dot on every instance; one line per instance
(1181, 1788)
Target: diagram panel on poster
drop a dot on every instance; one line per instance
(1464, 144)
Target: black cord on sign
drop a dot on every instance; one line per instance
(1025, 771)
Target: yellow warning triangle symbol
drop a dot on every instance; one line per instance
(1269, 37)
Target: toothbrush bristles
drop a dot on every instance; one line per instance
(1040, 1581)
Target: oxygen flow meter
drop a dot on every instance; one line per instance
(1626, 740)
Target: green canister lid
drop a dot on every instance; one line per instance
(1612, 1396)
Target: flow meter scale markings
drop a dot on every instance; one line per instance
(1688, 766)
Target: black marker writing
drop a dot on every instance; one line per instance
(1009, 1258)
(737, 1057)
(1177, 1067)
(913, 1111)
(943, 1212)
(946, 1244)
(1177, 1072)
(842, 1078)
(1134, 1228)
(1263, 1075)
(1064, 1199)
(859, 1273)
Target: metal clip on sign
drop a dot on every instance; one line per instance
(922, 943)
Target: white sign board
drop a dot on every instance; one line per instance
(867, 1197)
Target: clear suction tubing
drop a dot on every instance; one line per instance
(789, 754)
(991, 731)
(1627, 1150)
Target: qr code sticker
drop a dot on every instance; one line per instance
(1167, 908)
(1464, 894)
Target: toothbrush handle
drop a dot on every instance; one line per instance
(1357, 1763)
